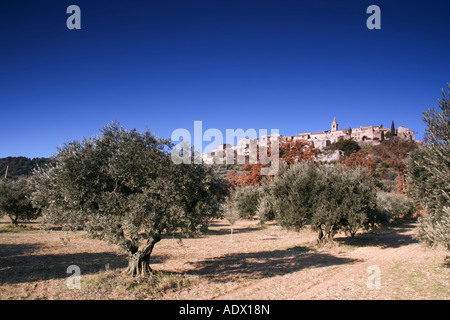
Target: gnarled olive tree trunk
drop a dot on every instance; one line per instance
(139, 260)
(325, 235)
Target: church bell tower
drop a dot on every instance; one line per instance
(334, 125)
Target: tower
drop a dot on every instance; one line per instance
(334, 125)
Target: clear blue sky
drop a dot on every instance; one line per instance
(287, 65)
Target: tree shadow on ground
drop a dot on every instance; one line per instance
(390, 237)
(219, 228)
(264, 264)
(12, 250)
(18, 264)
(227, 230)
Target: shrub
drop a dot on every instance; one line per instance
(264, 209)
(348, 146)
(394, 205)
(245, 200)
(230, 213)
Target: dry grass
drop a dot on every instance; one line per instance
(257, 263)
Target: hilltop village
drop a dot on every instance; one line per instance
(365, 135)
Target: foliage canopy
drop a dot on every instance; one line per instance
(429, 175)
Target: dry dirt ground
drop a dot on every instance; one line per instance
(257, 262)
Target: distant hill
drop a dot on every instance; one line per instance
(20, 166)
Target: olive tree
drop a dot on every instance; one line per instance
(264, 209)
(231, 214)
(344, 200)
(123, 187)
(330, 198)
(293, 191)
(245, 200)
(428, 170)
(395, 205)
(15, 201)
